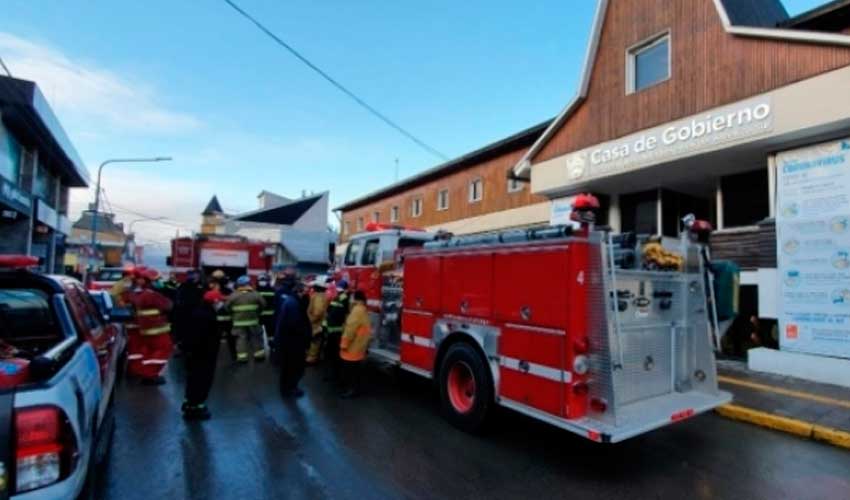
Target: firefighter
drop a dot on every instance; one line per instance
(153, 344)
(334, 321)
(267, 292)
(354, 343)
(246, 305)
(225, 321)
(292, 336)
(316, 312)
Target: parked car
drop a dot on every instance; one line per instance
(59, 362)
(105, 278)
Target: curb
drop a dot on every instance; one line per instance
(796, 427)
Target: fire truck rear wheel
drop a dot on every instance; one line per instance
(466, 387)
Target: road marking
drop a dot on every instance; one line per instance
(786, 392)
(800, 428)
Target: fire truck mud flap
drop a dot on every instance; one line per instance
(636, 418)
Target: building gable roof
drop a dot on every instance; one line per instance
(764, 14)
(761, 13)
(831, 16)
(213, 207)
(284, 215)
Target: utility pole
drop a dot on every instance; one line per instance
(97, 194)
(396, 169)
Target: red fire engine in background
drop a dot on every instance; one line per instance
(608, 336)
(235, 255)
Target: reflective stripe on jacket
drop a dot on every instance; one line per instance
(245, 305)
(336, 313)
(268, 295)
(356, 334)
(151, 311)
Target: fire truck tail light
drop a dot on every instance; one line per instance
(580, 389)
(598, 405)
(44, 446)
(581, 365)
(581, 346)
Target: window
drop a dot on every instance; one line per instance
(476, 190)
(514, 185)
(648, 63)
(443, 199)
(346, 227)
(640, 212)
(26, 315)
(394, 214)
(376, 217)
(370, 253)
(359, 224)
(44, 185)
(352, 252)
(10, 156)
(416, 207)
(745, 198)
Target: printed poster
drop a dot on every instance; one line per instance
(813, 240)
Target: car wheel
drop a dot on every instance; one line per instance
(466, 387)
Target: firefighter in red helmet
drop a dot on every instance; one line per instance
(150, 351)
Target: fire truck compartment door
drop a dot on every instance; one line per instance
(421, 278)
(417, 342)
(531, 362)
(467, 284)
(214, 257)
(532, 288)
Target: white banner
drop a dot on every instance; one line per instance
(224, 258)
(813, 240)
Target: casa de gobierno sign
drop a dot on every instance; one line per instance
(685, 137)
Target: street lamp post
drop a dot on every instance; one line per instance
(97, 190)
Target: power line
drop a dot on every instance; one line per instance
(336, 84)
(152, 218)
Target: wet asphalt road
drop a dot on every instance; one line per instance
(392, 443)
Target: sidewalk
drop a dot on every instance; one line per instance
(807, 409)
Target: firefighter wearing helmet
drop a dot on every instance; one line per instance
(150, 343)
(267, 292)
(245, 305)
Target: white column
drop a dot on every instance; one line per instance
(659, 220)
(771, 184)
(615, 218)
(718, 193)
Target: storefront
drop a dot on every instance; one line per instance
(696, 124)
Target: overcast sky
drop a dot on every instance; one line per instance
(195, 81)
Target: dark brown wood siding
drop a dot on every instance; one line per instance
(750, 249)
(496, 196)
(710, 68)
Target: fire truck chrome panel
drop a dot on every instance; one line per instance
(535, 369)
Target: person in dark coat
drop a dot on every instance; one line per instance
(181, 315)
(292, 337)
(200, 339)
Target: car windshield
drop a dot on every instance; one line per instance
(109, 275)
(25, 314)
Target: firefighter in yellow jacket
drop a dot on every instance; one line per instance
(246, 304)
(354, 344)
(316, 312)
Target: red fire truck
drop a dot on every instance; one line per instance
(235, 255)
(572, 326)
